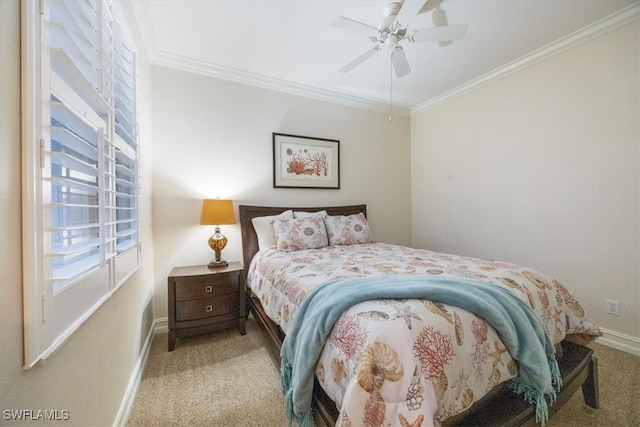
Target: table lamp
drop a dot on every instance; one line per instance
(217, 212)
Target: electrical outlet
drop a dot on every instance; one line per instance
(612, 307)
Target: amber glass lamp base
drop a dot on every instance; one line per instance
(217, 242)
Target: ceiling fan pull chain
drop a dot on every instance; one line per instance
(390, 89)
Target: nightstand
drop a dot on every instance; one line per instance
(203, 299)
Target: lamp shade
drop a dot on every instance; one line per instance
(217, 212)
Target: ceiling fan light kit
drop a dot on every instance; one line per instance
(393, 30)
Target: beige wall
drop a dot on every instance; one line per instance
(89, 375)
(542, 168)
(212, 138)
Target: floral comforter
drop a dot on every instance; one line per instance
(409, 362)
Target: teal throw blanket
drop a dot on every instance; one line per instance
(518, 327)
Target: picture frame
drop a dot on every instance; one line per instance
(305, 162)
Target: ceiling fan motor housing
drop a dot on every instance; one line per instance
(391, 32)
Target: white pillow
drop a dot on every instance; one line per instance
(264, 228)
(302, 233)
(303, 214)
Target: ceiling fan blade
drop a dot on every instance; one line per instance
(429, 5)
(358, 60)
(351, 25)
(408, 11)
(400, 63)
(439, 18)
(438, 34)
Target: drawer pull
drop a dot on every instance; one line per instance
(208, 289)
(209, 308)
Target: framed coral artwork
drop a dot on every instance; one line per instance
(305, 162)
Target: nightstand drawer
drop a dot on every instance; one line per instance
(204, 308)
(205, 287)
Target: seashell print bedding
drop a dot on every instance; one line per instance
(409, 362)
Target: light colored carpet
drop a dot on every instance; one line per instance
(619, 378)
(225, 379)
(220, 379)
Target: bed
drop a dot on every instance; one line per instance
(470, 385)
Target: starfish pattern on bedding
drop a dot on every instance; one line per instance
(497, 354)
(557, 314)
(406, 314)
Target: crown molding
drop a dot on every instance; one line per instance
(184, 63)
(171, 60)
(625, 16)
(143, 18)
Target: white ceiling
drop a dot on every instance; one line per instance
(289, 45)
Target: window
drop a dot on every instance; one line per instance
(81, 181)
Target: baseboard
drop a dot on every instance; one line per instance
(136, 377)
(619, 341)
(161, 325)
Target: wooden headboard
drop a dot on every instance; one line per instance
(249, 236)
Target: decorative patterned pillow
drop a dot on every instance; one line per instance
(348, 230)
(264, 228)
(298, 234)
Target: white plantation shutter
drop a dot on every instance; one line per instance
(81, 225)
(126, 165)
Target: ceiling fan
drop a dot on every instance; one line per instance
(394, 29)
